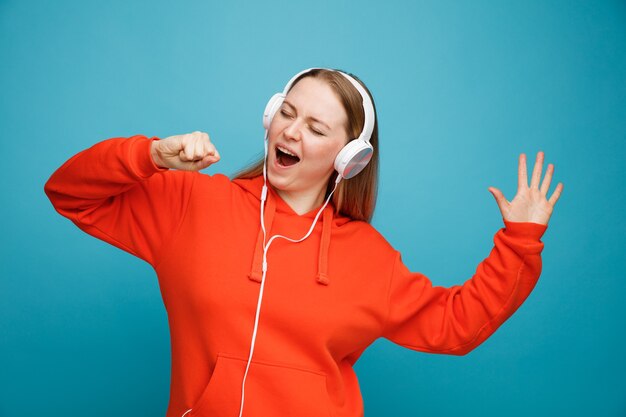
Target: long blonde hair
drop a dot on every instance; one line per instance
(355, 197)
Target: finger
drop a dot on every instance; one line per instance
(207, 147)
(545, 185)
(211, 159)
(198, 165)
(522, 174)
(500, 200)
(204, 162)
(556, 194)
(211, 150)
(190, 147)
(212, 155)
(534, 182)
(198, 149)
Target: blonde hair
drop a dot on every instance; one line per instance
(355, 197)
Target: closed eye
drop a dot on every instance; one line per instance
(317, 132)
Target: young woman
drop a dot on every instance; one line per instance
(264, 326)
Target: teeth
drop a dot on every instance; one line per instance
(286, 151)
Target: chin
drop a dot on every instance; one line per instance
(277, 181)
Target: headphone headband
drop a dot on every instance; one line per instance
(366, 101)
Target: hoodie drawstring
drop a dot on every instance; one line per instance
(322, 267)
(256, 272)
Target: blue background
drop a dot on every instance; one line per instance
(462, 88)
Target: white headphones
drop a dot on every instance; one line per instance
(357, 153)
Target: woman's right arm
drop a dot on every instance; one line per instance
(115, 190)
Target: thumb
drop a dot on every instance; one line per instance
(497, 194)
(206, 162)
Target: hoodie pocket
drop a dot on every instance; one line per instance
(271, 390)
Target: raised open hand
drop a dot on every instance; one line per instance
(530, 203)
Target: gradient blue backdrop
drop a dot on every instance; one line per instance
(462, 88)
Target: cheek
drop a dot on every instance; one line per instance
(271, 133)
(326, 155)
(276, 126)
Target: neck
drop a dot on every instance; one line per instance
(302, 202)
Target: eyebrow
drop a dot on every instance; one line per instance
(310, 117)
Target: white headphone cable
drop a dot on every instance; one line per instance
(265, 249)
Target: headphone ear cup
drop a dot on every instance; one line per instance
(353, 158)
(271, 108)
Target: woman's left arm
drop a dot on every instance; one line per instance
(456, 320)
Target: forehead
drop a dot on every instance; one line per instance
(313, 97)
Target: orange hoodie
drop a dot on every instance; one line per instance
(326, 299)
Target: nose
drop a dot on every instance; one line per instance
(293, 130)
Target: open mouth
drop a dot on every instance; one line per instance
(286, 158)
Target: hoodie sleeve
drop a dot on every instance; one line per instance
(114, 191)
(455, 320)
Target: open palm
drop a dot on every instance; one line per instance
(530, 203)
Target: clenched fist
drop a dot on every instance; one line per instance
(190, 152)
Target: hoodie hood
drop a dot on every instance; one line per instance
(275, 204)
